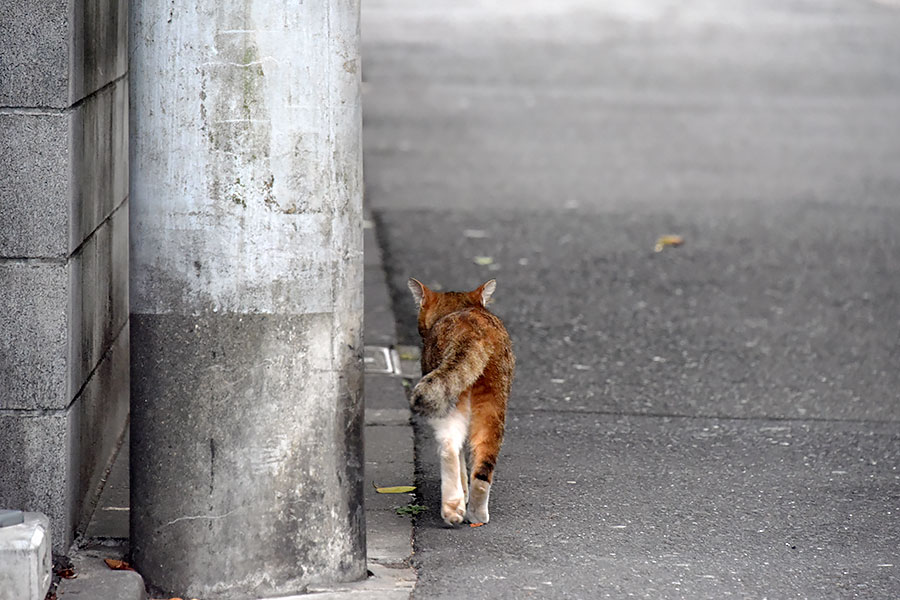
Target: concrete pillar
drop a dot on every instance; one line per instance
(246, 292)
(63, 254)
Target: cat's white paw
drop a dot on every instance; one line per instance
(474, 515)
(453, 511)
(480, 493)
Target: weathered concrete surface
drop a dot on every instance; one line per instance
(98, 289)
(256, 486)
(246, 297)
(99, 159)
(63, 315)
(99, 52)
(96, 581)
(109, 523)
(63, 253)
(34, 57)
(98, 420)
(25, 558)
(64, 172)
(35, 188)
(65, 371)
(254, 146)
(34, 344)
(54, 459)
(36, 466)
(64, 364)
(54, 54)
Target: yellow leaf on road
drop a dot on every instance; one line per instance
(396, 489)
(668, 240)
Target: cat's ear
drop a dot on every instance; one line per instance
(486, 291)
(419, 291)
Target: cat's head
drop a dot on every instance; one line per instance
(434, 305)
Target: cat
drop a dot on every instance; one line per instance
(468, 366)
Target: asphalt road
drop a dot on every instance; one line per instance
(720, 419)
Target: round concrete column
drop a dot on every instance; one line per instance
(246, 296)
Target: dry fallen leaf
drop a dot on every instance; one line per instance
(668, 240)
(67, 573)
(117, 565)
(475, 524)
(395, 489)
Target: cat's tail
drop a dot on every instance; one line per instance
(437, 392)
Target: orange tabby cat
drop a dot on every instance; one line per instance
(468, 365)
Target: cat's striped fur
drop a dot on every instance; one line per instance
(468, 366)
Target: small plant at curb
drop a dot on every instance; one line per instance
(410, 510)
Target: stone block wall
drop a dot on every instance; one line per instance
(64, 345)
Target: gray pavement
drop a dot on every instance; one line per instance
(715, 420)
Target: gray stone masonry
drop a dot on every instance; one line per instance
(63, 254)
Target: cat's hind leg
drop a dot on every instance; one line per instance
(450, 432)
(485, 437)
(464, 474)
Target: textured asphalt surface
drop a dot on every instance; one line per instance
(720, 419)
